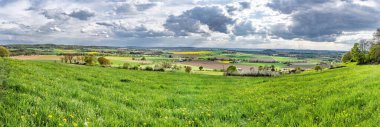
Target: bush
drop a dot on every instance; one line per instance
(176, 67)
(346, 57)
(318, 68)
(137, 67)
(188, 69)
(148, 68)
(231, 69)
(90, 60)
(104, 61)
(201, 68)
(166, 65)
(126, 66)
(264, 73)
(4, 52)
(158, 68)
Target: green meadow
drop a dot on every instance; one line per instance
(34, 93)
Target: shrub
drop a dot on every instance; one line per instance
(104, 61)
(90, 60)
(201, 68)
(374, 54)
(166, 65)
(126, 66)
(158, 68)
(346, 57)
(176, 67)
(4, 52)
(148, 68)
(231, 69)
(137, 67)
(264, 73)
(188, 69)
(143, 58)
(318, 68)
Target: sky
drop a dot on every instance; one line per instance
(265, 24)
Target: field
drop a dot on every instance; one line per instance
(38, 57)
(54, 94)
(192, 52)
(214, 65)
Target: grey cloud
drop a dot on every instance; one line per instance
(237, 7)
(143, 7)
(245, 5)
(140, 32)
(105, 24)
(183, 26)
(56, 14)
(133, 8)
(5, 2)
(289, 6)
(326, 22)
(244, 28)
(191, 20)
(82, 14)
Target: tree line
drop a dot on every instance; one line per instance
(361, 55)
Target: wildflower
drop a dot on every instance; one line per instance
(65, 120)
(50, 116)
(72, 116)
(75, 124)
(85, 123)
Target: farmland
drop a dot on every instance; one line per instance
(214, 61)
(55, 94)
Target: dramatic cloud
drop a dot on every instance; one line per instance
(288, 6)
(191, 21)
(128, 8)
(82, 14)
(244, 28)
(56, 14)
(325, 22)
(214, 23)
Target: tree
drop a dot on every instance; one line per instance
(357, 55)
(231, 69)
(104, 61)
(200, 68)
(188, 69)
(346, 57)
(90, 60)
(272, 68)
(374, 53)
(68, 58)
(4, 52)
(318, 68)
(166, 65)
(376, 36)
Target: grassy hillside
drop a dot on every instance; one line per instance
(52, 94)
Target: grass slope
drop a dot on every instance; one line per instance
(52, 94)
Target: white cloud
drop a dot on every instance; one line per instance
(229, 23)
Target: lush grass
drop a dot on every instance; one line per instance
(53, 94)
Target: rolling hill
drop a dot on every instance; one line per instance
(53, 94)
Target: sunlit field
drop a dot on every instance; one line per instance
(55, 94)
